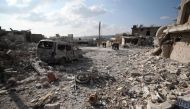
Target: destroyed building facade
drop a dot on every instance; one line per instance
(174, 39)
(144, 31)
(15, 36)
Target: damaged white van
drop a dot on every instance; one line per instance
(60, 52)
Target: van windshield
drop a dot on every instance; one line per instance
(45, 45)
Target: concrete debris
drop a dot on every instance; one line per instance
(38, 68)
(12, 82)
(46, 85)
(38, 85)
(52, 106)
(2, 92)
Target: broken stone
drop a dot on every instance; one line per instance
(135, 74)
(34, 100)
(132, 94)
(161, 97)
(139, 107)
(145, 92)
(46, 84)
(172, 97)
(10, 70)
(2, 92)
(166, 105)
(12, 81)
(150, 105)
(119, 89)
(43, 79)
(62, 68)
(52, 106)
(183, 76)
(154, 98)
(27, 80)
(37, 67)
(38, 85)
(45, 97)
(170, 86)
(183, 84)
(124, 102)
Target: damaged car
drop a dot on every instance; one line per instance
(57, 52)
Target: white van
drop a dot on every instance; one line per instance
(51, 51)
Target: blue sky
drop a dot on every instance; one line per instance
(81, 17)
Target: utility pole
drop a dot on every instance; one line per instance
(99, 40)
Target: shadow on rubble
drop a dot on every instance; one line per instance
(17, 100)
(80, 65)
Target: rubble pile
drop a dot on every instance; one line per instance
(102, 79)
(147, 82)
(16, 63)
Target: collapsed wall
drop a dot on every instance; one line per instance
(174, 40)
(181, 50)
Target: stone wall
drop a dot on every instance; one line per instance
(181, 51)
(144, 31)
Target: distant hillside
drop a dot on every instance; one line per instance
(92, 37)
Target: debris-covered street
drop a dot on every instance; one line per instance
(128, 78)
(94, 54)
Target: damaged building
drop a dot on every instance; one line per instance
(174, 39)
(141, 36)
(19, 37)
(144, 31)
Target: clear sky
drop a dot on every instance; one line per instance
(81, 17)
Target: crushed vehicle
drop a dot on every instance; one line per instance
(57, 52)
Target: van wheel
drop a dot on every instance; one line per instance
(62, 61)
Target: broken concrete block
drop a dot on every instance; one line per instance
(183, 84)
(135, 74)
(161, 97)
(52, 106)
(34, 100)
(172, 97)
(154, 98)
(183, 76)
(139, 107)
(12, 81)
(2, 92)
(46, 85)
(43, 79)
(38, 85)
(165, 105)
(93, 98)
(146, 92)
